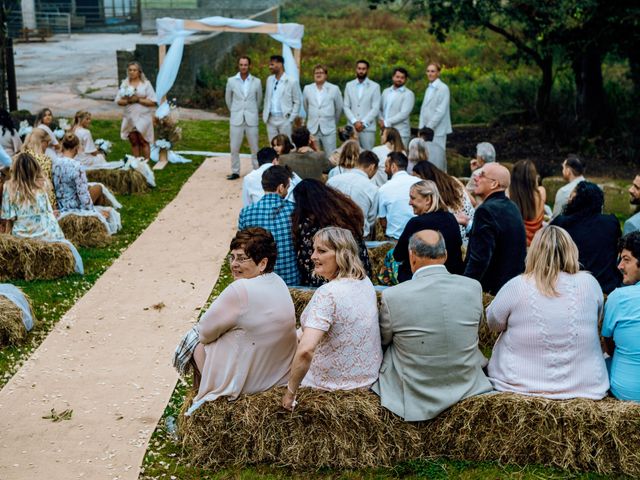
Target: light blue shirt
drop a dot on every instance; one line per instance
(5, 159)
(622, 322)
(632, 224)
(392, 94)
(245, 83)
(276, 96)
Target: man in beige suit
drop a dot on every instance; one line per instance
(430, 327)
(281, 99)
(243, 96)
(362, 104)
(434, 113)
(396, 106)
(323, 103)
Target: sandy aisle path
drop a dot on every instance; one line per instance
(109, 357)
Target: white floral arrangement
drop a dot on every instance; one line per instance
(103, 145)
(59, 133)
(25, 129)
(127, 91)
(141, 165)
(163, 144)
(63, 124)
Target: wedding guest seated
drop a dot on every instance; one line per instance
(26, 208)
(548, 319)
(573, 172)
(432, 360)
(44, 122)
(305, 161)
(497, 244)
(339, 347)
(595, 233)
(528, 196)
(36, 145)
(345, 134)
(633, 223)
(485, 154)
(273, 213)
(9, 139)
(452, 194)
(348, 158)
(88, 154)
(430, 213)
(252, 190)
(391, 142)
(394, 210)
(435, 152)
(73, 193)
(247, 338)
(357, 185)
(281, 144)
(417, 153)
(318, 206)
(621, 326)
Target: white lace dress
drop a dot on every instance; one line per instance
(350, 354)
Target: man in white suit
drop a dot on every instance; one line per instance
(396, 105)
(281, 99)
(434, 113)
(243, 96)
(362, 104)
(323, 103)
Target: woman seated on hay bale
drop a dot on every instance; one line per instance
(88, 154)
(74, 195)
(245, 342)
(35, 145)
(26, 207)
(340, 346)
(44, 122)
(548, 319)
(319, 206)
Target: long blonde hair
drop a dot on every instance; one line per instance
(349, 154)
(344, 244)
(552, 251)
(78, 118)
(25, 179)
(34, 140)
(428, 188)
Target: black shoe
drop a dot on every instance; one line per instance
(233, 176)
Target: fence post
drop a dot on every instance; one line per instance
(11, 75)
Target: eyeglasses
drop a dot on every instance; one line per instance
(483, 175)
(239, 259)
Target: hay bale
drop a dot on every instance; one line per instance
(23, 258)
(85, 231)
(376, 257)
(12, 329)
(120, 181)
(351, 430)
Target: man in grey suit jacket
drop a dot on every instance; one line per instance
(243, 96)
(430, 327)
(281, 99)
(434, 113)
(323, 103)
(362, 104)
(396, 105)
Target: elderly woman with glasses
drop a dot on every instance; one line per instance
(247, 338)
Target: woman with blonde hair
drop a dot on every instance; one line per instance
(35, 145)
(88, 154)
(548, 320)
(348, 158)
(417, 153)
(391, 142)
(44, 122)
(138, 97)
(431, 214)
(340, 346)
(528, 196)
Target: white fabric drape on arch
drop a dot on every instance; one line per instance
(171, 31)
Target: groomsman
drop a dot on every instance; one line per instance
(243, 96)
(362, 104)
(281, 99)
(323, 103)
(434, 113)
(396, 105)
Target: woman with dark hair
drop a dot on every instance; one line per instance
(9, 138)
(44, 121)
(391, 142)
(319, 206)
(528, 196)
(281, 144)
(453, 195)
(247, 338)
(596, 234)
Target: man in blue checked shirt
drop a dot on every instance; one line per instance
(273, 213)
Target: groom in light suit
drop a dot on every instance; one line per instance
(434, 113)
(362, 104)
(281, 99)
(243, 96)
(323, 103)
(396, 105)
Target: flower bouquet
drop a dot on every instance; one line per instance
(141, 165)
(103, 145)
(126, 91)
(25, 129)
(168, 133)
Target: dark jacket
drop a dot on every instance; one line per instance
(307, 165)
(597, 239)
(498, 243)
(441, 221)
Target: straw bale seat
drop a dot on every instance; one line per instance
(23, 258)
(120, 181)
(346, 430)
(12, 329)
(85, 231)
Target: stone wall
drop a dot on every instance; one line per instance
(199, 51)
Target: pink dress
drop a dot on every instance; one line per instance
(350, 353)
(249, 337)
(137, 117)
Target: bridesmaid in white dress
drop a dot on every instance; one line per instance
(88, 154)
(139, 99)
(44, 119)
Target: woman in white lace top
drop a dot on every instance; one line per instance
(548, 319)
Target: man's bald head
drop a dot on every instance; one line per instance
(426, 247)
(492, 178)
